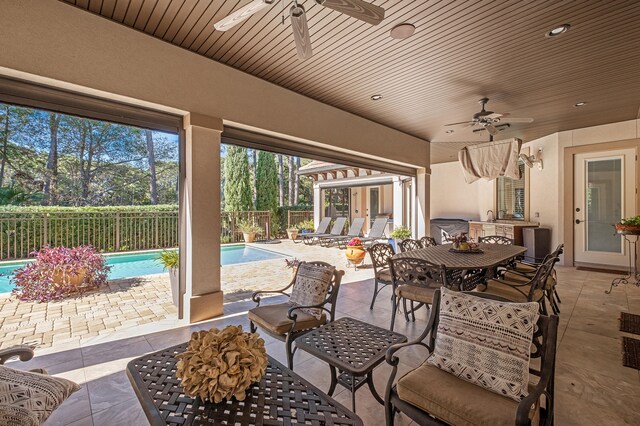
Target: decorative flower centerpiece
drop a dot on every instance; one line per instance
(221, 364)
(355, 253)
(460, 241)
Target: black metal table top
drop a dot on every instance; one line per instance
(349, 344)
(280, 398)
(493, 255)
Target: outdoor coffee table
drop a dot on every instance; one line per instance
(280, 398)
(354, 348)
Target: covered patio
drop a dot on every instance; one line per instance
(525, 133)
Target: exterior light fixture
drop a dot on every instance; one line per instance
(376, 97)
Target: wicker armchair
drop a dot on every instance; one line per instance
(428, 242)
(408, 245)
(380, 254)
(469, 400)
(415, 280)
(287, 322)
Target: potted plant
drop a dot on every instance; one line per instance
(306, 226)
(292, 233)
(57, 272)
(293, 265)
(170, 261)
(629, 225)
(355, 252)
(398, 234)
(249, 231)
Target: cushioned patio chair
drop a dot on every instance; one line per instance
(415, 280)
(496, 239)
(355, 230)
(523, 289)
(29, 397)
(409, 244)
(380, 254)
(312, 303)
(323, 226)
(376, 233)
(428, 242)
(431, 396)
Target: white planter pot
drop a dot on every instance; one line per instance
(174, 278)
(249, 237)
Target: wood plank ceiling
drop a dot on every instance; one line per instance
(461, 51)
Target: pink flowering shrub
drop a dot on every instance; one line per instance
(354, 242)
(51, 276)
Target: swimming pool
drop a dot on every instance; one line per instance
(146, 263)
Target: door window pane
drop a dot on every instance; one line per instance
(604, 204)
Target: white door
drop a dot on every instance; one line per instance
(604, 193)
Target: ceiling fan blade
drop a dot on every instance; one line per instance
(516, 120)
(356, 9)
(301, 31)
(491, 129)
(241, 14)
(470, 123)
(494, 115)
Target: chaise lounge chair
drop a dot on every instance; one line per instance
(376, 232)
(354, 231)
(323, 226)
(336, 231)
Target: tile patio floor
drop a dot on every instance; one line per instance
(592, 386)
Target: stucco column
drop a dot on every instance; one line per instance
(201, 218)
(398, 204)
(422, 204)
(317, 204)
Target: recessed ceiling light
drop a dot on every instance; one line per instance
(555, 32)
(449, 131)
(402, 31)
(376, 97)
(581, 103)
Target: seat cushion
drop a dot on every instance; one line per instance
(311, 287)
(274, 318)
(455, 401)
(516, 292)
(485, 342)
(384, 275)
(40, 394)
(414, 292)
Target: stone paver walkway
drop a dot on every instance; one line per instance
(125, 305)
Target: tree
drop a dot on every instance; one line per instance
(291, 180)
(51, 177)
(296, 189)
(267, 175)
(237, 187)
(280, 181)
(254, 174)
(151, 158)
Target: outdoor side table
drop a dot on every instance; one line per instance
(280, 398)
(354, 348)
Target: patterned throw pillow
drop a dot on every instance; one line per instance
(311, 287)
(38, 393)
(17, 416)
(485, 342)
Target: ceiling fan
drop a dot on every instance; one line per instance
(489, 120)
(355, 8)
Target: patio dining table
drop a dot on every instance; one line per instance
(479, 265)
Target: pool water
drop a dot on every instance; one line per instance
(139, 264)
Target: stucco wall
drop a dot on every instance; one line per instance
(58, 44)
